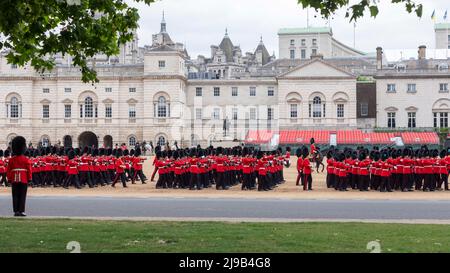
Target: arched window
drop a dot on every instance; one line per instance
(132, 141)
(162, 107)
(14, 108)
(317, 107)
(161, 141)
(88, 107)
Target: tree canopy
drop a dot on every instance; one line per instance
(33, 31)
(357, 10)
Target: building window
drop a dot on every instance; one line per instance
(216, 113)
(411, 119)
(14, 108)
(440, 119)
(108, 111)
(234, 91)
(270, 91)
(108, 89)
(316, 108)
(198, 113)
(234, 114)
(391, 119)
(269, 113)
(303, 42)
(292, 54)
(391, 88)
(340, 110)
(161, 64)
(45, 90)
(252, 91)
(364, 109)
(132, 141)
(314, 42)
(303, 53)
(46, 111)
(292, 42)
(443, 87)
(294, 112)
(216, 91)
(162, 107)
(412, 88)
(67, 90)
(314, 52)
(132, 90)
(161, 141)
(67, 111)
(252, 113)
(132, 111)
(13, 66)
(88, 107)
(198, 92)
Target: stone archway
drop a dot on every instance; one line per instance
(107, 141)
(67, 141)
(88, 139)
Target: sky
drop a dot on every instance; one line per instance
(202, 23)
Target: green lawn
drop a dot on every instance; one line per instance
(31, 235)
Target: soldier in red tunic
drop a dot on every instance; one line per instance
(3, 170)
(19, 174)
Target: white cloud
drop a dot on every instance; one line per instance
(201, 23)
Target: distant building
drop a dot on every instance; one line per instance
(302, 43)
(414, 93)
(159, 93)
(442, 35)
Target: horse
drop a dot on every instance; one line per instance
(317, 157)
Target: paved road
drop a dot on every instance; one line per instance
(269, 209)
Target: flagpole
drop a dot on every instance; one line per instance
(446, 36)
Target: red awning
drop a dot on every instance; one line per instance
(303, 137)
(410, 138)
(379, 138)
(349, 137)
(258, 136)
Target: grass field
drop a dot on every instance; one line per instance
(35, 235)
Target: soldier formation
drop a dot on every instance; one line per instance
(60, 167)
(388, 169)
(198, 168)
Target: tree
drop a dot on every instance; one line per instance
(33, 31)
(355, 11)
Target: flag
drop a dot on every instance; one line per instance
(433, 15)
(445, 15)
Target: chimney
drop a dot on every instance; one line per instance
(422, 52)
(379, 58)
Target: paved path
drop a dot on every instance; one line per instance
(234, 209)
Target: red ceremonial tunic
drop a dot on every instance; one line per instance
(19, 170)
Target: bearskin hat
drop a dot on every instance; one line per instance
(18, 145)
(71, 154)
(118, 153)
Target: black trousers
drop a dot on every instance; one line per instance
(19, 196)
(122, 178)
(307, 183)
(72, 179)
(363, 182)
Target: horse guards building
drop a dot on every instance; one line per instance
(159, 93)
